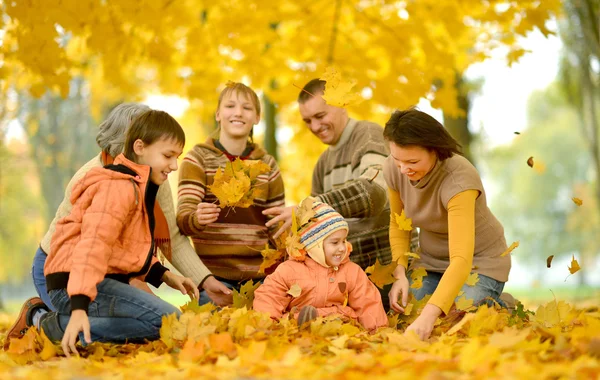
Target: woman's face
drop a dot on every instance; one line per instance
(414, 161)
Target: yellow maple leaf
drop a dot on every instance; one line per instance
(338, 92)
(404, 223)
(510, 249)
(245, 296)
(574, 266)
(381, 275)
(270, 257)
(473, 279)
(464, 303)
(305, 211)
(577, 201)
(295, 291)
(552, 313)
(416, 277)
(235, 185)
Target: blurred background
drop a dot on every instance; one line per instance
(509, 79)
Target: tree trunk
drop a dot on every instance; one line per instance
(270, 112)
(458, 127)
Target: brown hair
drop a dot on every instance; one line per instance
(314, 87)
(413, 127)
(151, 126)
(240, 88)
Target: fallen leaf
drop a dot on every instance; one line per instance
(530, 162)
(464, 303)
(338, 92)
(381, 275)
(223, 343)
(510, 249)
(549, 261)
(468, 317)
(245, 297)
(404, 223)
(416, 277)
(295, 291)
(472, 280)
(577, 201)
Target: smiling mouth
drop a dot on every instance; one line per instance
(237, 122)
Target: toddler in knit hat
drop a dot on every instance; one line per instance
(319, 279)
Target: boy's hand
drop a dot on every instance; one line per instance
(183, 284)
(79, 322)
(207, 213)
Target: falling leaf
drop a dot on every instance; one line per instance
(549, 261)
(404, 223)
(381, 275)
(530, 162)
(270, 257)
(472, 280)
(245, 297)
(338, 92)
(510, 249)
(517, 133)
(305, 211)
(574, 266)
(416, 277)
(295, 291)
(577, 201)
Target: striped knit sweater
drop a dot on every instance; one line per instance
(231, 246)
(348, 176)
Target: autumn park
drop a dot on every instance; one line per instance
(328, 189)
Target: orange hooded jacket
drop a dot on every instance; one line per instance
(108, 234)
(345, 290)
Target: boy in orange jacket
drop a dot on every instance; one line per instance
(108, 239)
(319, 265)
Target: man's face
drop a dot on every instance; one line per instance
(324, 121)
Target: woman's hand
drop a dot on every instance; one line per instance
(282, 214)
(217, 292)
(423, 325)
(183, 284)
(79, 322)
(207, 213)
(400, 287)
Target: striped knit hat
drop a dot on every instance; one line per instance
(325, 222)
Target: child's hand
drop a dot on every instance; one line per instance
(207, 213)
(183, 284)
(79, 322)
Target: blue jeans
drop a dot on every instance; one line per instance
(231, 284)
(39, 280)
(486, 287)
(119, 313)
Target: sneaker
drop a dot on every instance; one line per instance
(307, 313)
(24, 320)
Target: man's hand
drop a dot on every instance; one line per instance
(282, 214)
(183, 284)
(217, 292)
(79, 322)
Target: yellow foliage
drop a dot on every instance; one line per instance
(245, 296)
(382, 275)
(337, 90)
(236, 185)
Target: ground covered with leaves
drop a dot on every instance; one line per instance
(556, 340)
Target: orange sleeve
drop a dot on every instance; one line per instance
(461, 243)
(399, 239)
(365, 300)
(271, 297)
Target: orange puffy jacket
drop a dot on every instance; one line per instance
(108, 234)
(346, 291)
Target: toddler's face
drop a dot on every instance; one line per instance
(335, 248)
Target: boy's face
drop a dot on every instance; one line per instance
(161, 156)
(236, 116)
(335, 248)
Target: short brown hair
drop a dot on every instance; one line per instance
(240, 88)
(413, 127)
(314, 87)
(151, 126)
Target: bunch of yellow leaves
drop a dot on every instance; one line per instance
(236, 185)
(300, 217)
